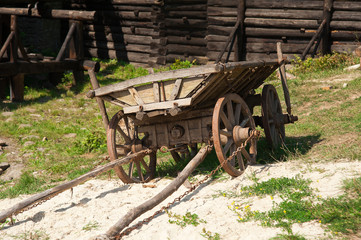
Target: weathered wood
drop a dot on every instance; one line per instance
(125, 15)
(294, 4)
(14, 42)
(275, 32)
(347, 5)
(97, 6)
(160, 105)
(284, 13)
(222, 21)
(346, 15)
(316, 36)
(283, 75)
(222, 11)
(187, 40)
(137, 57)
(95, 85)
(118, 46)
(182, 49)
(166, 192)
(103, 29)
(190, 14)
(280, 23)
(345, 35)
(231, 36)
(156, 92)
(17, 88)
(51, 13)
(240, 47)
(65, 186)
(175, 92)
(125, 38)
(126, 2)
(326, 33)
(272, 47)
(6, 44)
(346, 47)
(345, 25)
(66, 42)
(138, 99)
(174, 74)
(188, 23)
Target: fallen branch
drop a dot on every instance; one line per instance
(151, 203)
(65, 186)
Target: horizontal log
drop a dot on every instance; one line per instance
(184, 7)
(280, 23)
(213, 55)
(272, 48)
(184, 32)
(11, 69)
(345, 25)
(347, 5)
(124, 38)
(118, 46)
(189, 23)
(123, 2)
(294, 4)
(189, 14)
(216, 46)
(186, 49)
(186, 40)
(224, 3)
(51, 13)
(125, 15)
(222, 21)
(102, 29)
(346, 35)
(346, 15)
(278, 39)
(274, 32)
(222, 11)
(341, 48)
(99, 6)
(126, 23)
(284, 13)
(120, 55)
(171, 58)
(219, 30)
(271, 56)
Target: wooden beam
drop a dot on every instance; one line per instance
(240, 48)
(326, 36)
(135, 95)
(156, 92)
(318, 33)
(51, 13)
(65, 186)
(66, 42)
(151, 203)
(176, 89)
(282, 69)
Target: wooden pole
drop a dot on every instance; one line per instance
(284, 78)
(65, 186)
(76, 49)
(311, 42)
(6, 44)
(219, 58)
(151, 203)
(326, 36)
(240, 49)
(66, 42)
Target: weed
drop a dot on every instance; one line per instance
(32, 235)
(92, 141)
(187, 219)
(91, 226)
(209, 235)
(288, 237)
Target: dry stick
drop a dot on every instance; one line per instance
(309, 45)
(151, 203)
(65, 186)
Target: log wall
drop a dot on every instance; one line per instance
(156, 32)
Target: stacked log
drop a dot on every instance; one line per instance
(291, 22)
(183, 31)
(222, 16)
(124, 29)
(346, 26)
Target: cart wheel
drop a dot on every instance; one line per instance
(188, 153)
(272, 116)
(122, 138)
(231, 125)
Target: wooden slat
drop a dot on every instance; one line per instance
(160, 105)
(136, 96)
(156, 92)
(176, 89)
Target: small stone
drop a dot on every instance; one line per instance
(10, 119)
(30, 137)
(7, 114)
(344, 85)
(31, 110)
(4, 166)
(45, 139)
(41, 149)
(25, 125)
(28, 143)
(70, 135)
(35, 115)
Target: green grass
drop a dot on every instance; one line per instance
(186, 219)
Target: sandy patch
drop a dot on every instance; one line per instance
(104, 202)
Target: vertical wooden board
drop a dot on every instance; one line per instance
(156, 92)
(176, 89)
(134, 93)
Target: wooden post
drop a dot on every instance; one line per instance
(282, 69)
(326, 36)
(240, 48)
(17, 88)
(14, 41)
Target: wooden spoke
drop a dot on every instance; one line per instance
(237, 110)
(271, 111)
(226, 122)
(225, 133)
(120, 140)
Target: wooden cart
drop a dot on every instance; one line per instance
(175, 110)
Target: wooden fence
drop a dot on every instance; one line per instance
(152, 32)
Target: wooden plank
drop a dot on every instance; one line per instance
(346, 15)
(156, 92)
(176, 89)
(280, 23)
(133, 92)
(284, 13)
(274, 32)
(347, 5)
(174, 74)
(345, 25)
(160, 105)
(294, 4)
(104, 29)
(115, 37)
(118, 46)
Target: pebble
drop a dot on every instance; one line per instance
(344, 85)
(25, 125)
(70, 135)
(10, 119)
(35, 115)
(7, 114)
